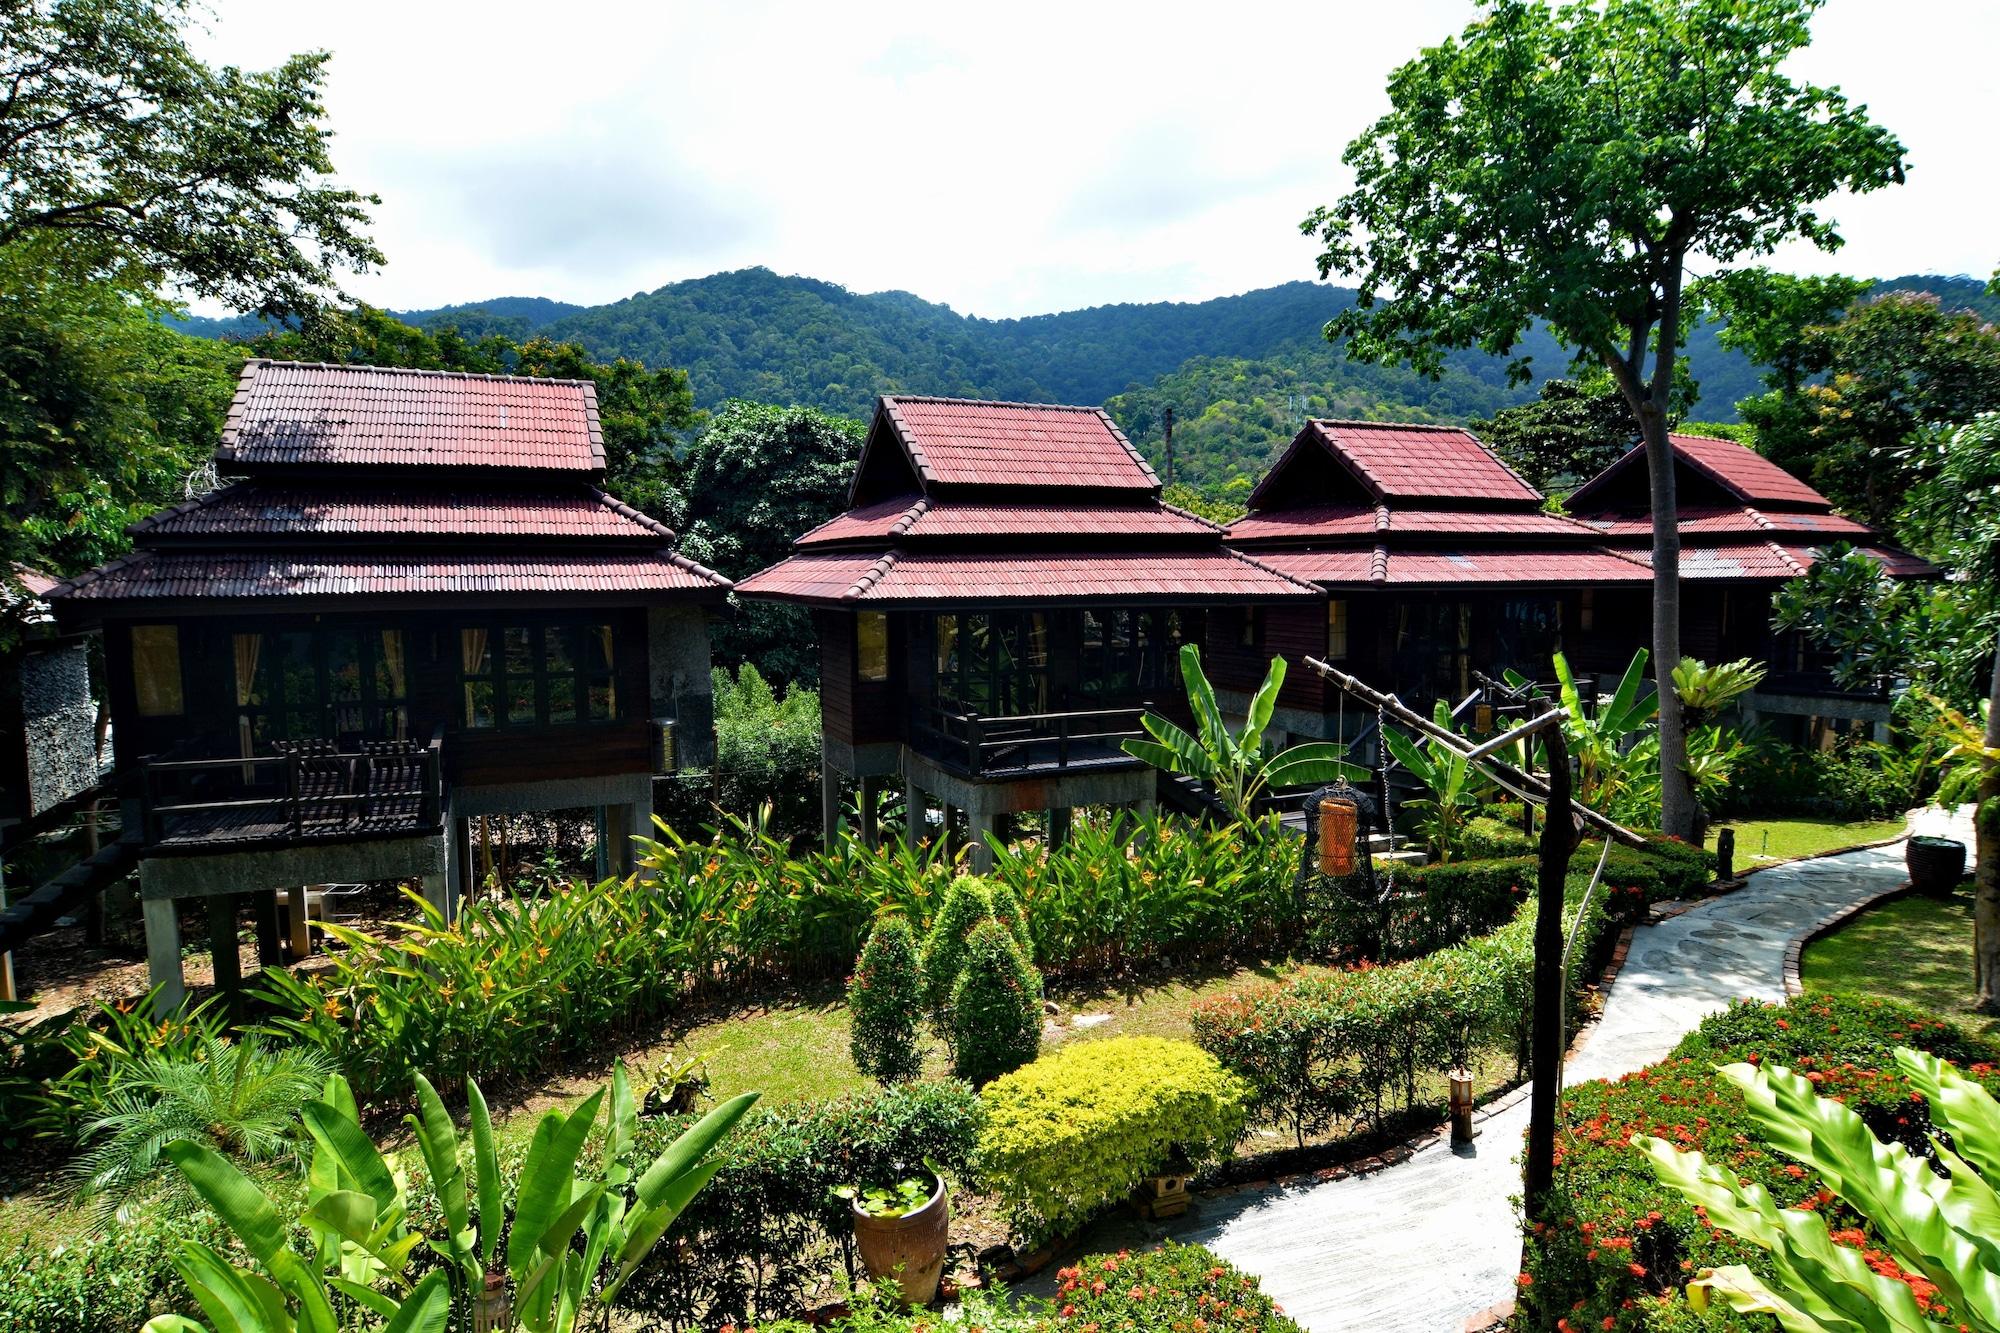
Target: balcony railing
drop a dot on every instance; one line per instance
(992, 746)
(309, 791)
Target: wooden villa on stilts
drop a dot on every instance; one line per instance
(414, 606)
(1005, 596)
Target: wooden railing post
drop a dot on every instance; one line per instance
(1062, 739)
(975, 740)
(292, 793)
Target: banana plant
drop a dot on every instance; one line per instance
(1234, 763)
(1945, 1227)
(1453, 784)
(1600, 742)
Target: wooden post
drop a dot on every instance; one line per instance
(1547, 1039)
(270, 938)
(1725, 854)
(223, 956)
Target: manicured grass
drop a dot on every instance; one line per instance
(1759, 841)
(1916, 949)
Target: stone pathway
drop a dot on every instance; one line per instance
(1427, 1243)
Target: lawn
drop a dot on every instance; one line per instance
(1916, 949)
(1762, 841)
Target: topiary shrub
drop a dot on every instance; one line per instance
(996, 1007)
(1076, 1130)
(968, 900)
(885, 999)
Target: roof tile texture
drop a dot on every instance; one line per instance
(155, 575)
(298, 413)
(904, 576)
(1429, 462)
(248, 509)
(965, 443)
(914, 517)
(1494, 568)
(1747, 473)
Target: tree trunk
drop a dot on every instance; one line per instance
(1986, 884)
(1547, 1037)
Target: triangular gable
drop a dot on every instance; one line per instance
(886, 467)
(1706, 472)
(1311, 471)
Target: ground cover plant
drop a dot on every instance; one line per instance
(1620, 1247)
(1916, 949)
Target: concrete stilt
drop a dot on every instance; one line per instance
(871, 797)
(298, 914)
(829, 801)
(952, 839)
(628, 821)
(980, 828)
(1144, 809)
(601, 867)
(270, 940)
(223, 954)
(916, 814)
(438, 893)
(1058, 826)
(163, 955)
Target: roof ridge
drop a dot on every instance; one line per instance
(1383, 518)
(1378, 565)
(1393, 425)
(1189, 513)
(901, 527)
(871, 576)
(987, 402)
(416, 370)
(1130, 448)
(1798, 570)
(1254, 562)
(906, 438)
(1757, 517)
(624, 510)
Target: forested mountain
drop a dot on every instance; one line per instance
(1238, 370)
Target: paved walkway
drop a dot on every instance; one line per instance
(1427, 1243)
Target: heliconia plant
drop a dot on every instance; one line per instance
(1235, 763)
(1945, 1227)
(1453, 783)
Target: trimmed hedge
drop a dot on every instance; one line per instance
(765, 1232)
(1076, 1130)
(1619, 1247)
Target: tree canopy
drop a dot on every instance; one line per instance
(125, 154)
(1564, 164)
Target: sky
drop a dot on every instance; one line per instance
(1004, 159)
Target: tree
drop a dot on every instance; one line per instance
(129, 156)
(1894, 366)
(757, 477)
(1573, 431)
(104, 413)
(1564, 165)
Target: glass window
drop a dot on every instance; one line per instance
(537, 675)
(475, 651)
(1586, 611)
(1336, 630)
(1246, 628)
(871, 645)
(156, 670)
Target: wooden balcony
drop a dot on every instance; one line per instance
(1026, 744)
(307, 792)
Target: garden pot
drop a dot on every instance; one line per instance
(915, 1242)
(1936, 864)
(1162, 1196)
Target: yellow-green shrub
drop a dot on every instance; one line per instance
(1078, 1128)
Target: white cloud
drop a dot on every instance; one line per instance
(1012, 160)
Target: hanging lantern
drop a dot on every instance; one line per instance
(1482, 718)
(1338, 823)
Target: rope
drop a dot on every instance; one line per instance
(1569, 943)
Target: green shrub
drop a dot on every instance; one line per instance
(1486, 838)
(884, 999)
(1183, 1287)
(1431, 908)
(967, 902)
(1620, 1245)
(996, 1006)
(770, 1228)
(1076, 1130)
(1351, 1046)
(767, 750)
(108, 1282)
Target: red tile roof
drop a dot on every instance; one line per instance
(1742, 472)
(255, 509)
(1744, 520)
(960, 442)
(34, 582)
(919, 576)
(208, 577)
(1405, 462)
(1383, 566)
(300, 413)
(921, 517)
(1350, 520)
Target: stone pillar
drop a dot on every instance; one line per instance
(163, 956)
(626, 822)
(298, 907)
(461, 848)
(1058, 817)
(222, 951)
(270, 940)
(916, 813)
(980, 825)
(1145, 807)
(440, 889)
(829, 802)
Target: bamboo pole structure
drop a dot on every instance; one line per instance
(1524, 785)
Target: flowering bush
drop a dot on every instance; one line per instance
(1183, 1288)
(1076, 1130)
(884, 998)
(1620, 1246)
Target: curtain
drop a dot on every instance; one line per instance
(471, 661)
(392, 666)
(248, 648)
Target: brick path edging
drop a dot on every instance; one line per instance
(1795, 985)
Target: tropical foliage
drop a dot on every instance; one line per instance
(1235, 764)
(1453, 783)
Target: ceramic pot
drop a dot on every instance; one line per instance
(915, 1242)
(1936, 865)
